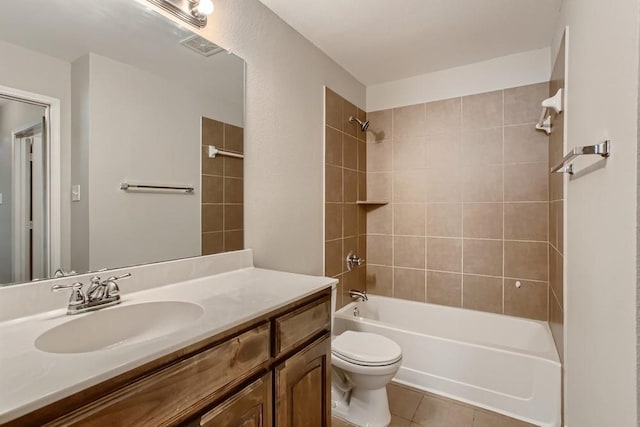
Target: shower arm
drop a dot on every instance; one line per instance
(363, 125)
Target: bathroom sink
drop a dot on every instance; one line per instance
(115, 326)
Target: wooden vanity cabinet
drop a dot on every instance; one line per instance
(294, 328)
(303, 387)
(250, 407)
(174, 393)
(274, 370)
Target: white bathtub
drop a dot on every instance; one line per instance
(502, 363)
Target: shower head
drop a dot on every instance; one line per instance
(363, 125)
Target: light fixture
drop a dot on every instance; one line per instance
(202, 8)
(193, 12)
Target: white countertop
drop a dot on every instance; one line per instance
(31, 379)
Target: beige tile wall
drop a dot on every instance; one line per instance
(222, 189)
(467, 184)
(556, 209)
(345, 183)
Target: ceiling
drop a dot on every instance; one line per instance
(384, 40)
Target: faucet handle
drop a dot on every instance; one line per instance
(77, 296)
(114, 278)
(353, 260)
(112, 287)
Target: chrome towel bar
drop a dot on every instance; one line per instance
(602, 149)
(214, 151)
(126, 186)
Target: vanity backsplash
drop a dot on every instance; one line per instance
(35, 297)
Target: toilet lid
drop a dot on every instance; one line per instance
(364, 348)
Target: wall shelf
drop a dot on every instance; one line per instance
(371, 202)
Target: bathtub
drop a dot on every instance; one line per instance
(502, 363)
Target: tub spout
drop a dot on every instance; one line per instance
(354, 293)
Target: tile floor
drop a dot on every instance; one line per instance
(413, 408)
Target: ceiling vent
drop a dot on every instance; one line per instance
(201, 45)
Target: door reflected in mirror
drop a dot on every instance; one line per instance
(23, 233)
(136, 107)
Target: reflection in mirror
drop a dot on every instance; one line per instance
(101, 97)
(23, 252)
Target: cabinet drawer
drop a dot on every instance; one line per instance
(172, 394)
(298, 326)
(249, 407)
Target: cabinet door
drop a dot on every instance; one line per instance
(303, 387)
(251, 407)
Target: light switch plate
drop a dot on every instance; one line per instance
(0, 198)
(75, 193)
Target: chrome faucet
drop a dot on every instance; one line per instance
(362, 295)
(353, 260)
(101, 294)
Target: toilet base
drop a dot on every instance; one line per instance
(364, 408)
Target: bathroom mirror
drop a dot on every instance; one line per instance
(121, 139)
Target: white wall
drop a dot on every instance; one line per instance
(142, 129)
(41, 74)
(499, 73)
(80, 111)
(14, 116)
(601, 202)
(283, 132)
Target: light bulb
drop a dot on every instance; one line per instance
(205, 7)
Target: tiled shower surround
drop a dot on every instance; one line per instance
(345, 183)
(467, 184)
(222, 220)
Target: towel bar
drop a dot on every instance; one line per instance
(603, 149)
(126, 186)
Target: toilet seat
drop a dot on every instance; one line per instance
(366, 349)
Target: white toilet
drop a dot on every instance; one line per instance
(362, 365)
